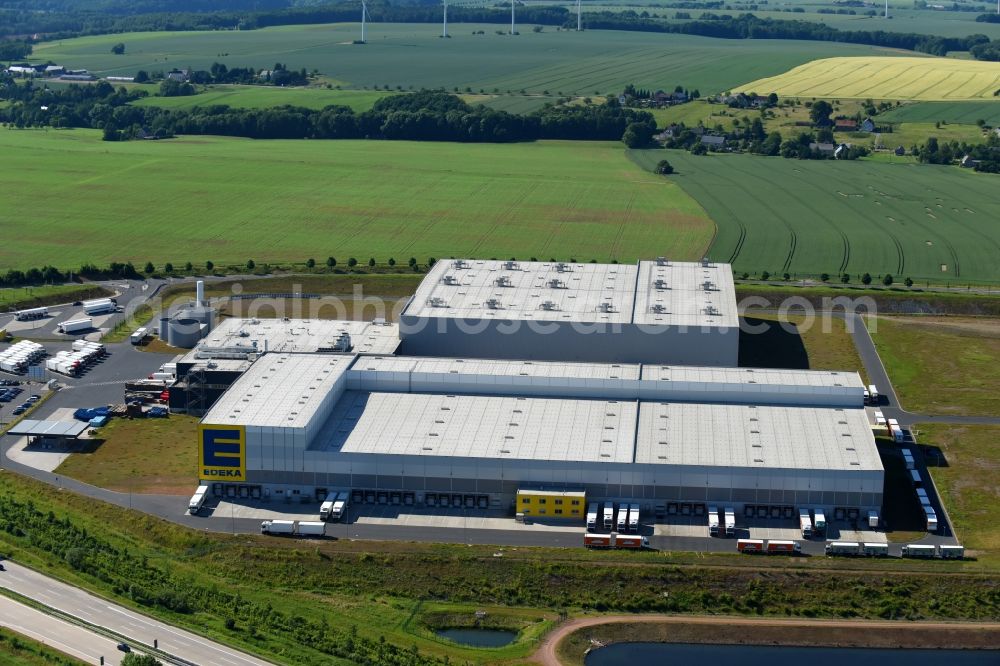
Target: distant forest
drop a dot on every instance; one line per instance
(60, 19)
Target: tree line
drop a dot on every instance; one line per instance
(985, 156)
(420, 116)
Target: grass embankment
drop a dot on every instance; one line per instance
(796, 342)
(808, 217)
(942, 365)
(19, 650)
(909, 78)
(390, 199)
(21, 298)
(322, 602)
(734, 631)
(140, 456)
(969, 482)
(891, 300)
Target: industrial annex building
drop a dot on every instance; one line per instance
(443, 423)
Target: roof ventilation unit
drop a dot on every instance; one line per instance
(493, 304)
(450, 279)
(511, 265)
(662, 261)
(605, 307)
(658, 308)
(459, 264)
(711, 311)
(563, 268)
(503, 281)
(343, 342)
(548, 305)
(660, 284)
(708, 285)
(556, 283)
(436, 302)
(704, 262)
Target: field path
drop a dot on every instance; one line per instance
(546, 654)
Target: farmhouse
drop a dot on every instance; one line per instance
(716, 142)
(181, 75)
(825, 149)
(868, 125)
(845, 125)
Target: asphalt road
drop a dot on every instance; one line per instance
(58, 634)
(120, 620)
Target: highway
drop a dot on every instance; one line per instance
(58, 634)
(136, 627)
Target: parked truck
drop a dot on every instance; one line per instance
(198, 500)
(873, 394)
(819, 522)
(873, 519)
(750, 545)
(730, 518)
(99, 306)
(293, 527)
(919, 550)
(951, 552)
(324, 509)
(870, 549)
(805, 523)
(609, 516)
(631, 541)
(31, 314)
(139, 335)
(592, 516)
(591, 540)
(896, 432)
(633, 519)
(778, 547)
(622, 521)
(932, 521)
(713, 521)
(339, 507)
(843, 548)
(75, 326)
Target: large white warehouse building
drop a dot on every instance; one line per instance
(616, 381)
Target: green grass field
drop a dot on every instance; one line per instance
(19, 650)
(413, 55)
(19, 298)
(228, 200)
(809, 217)
(942, 365)
(265, 96)
(970, 483)
(964, 113)
(912, 78)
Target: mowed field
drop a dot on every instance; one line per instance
(809, 217)
(924, 78)
(964, 113)
(563, 63)
(71, 198)
(265, 96)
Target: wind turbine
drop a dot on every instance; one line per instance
(579, 24)
(444, 25)
(887, 8)
(512, 16)
(364, 17)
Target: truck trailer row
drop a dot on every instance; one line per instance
(302, 528)
(626, 519)
(615, 540)
(16, 358)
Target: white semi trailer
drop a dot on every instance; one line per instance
(198, 500)
(99, 306)
(76, 326)
(730, 521)
(293, 527)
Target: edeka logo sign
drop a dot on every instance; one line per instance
(222, 453)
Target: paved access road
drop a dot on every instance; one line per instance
(58, 634)
(136, 627)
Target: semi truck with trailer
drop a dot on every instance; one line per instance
(613, 540)
(139, 335)
(31, 314)
(293, 528)
(730, 518)
(819, 522)
(622, 521)
(324, 509)
(778, 547)
(609, 516)
(198, 500)
(932, 521)
(843, 548)
(592, 516)
(870, 549)
(750, 545)
(805, 523)
(895, 431)
(99, 306)
(919, 550)
(873, 394)
(713, 521)
(951, 552)
(76, 326)
(633, 518)
(339, 506)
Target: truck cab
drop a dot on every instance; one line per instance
(713, 521)
(609, 516)
(325, 509)
(805, 523)
(730, 522)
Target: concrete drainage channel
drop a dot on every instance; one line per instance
(96, 629)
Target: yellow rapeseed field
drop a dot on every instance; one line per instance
(885, 78)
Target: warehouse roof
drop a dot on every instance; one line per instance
(679, 293)
(755, 437)
(279, 390)
(799, 379)
(502, 428)
(233, 340)
(497, 368)
(655, 293)
(524, 290)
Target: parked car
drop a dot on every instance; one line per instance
(19, 410)
(124, 647)
(34, 398)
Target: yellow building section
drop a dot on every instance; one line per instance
(552, 503)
